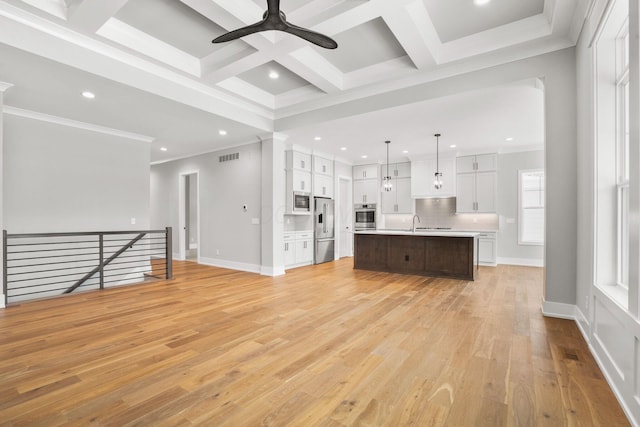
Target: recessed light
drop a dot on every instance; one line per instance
(88, 95)
(222, 132)
(510, 139)
(405, 151)
(481, 2)
(273, 75)
(317, 138)
(364, 156)
(163, 148)
(453, 146)
(343, 148)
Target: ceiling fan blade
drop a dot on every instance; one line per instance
(273, 7)
(311, 36)
(241, 32)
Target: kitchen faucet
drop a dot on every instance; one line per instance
(413, 222)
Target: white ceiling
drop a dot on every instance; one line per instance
(156, 72)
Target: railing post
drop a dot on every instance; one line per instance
(101, 258)
(5, 270)
(168, 242)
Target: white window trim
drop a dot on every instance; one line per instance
(520, 208)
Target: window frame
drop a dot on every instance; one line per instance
(521, 208)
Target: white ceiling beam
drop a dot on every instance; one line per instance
(128, 36)
(406, 30)
(232, 69)
(562, 16)
(90, 15)
(313, 67)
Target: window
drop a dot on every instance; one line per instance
(531, 211)
(622, 154)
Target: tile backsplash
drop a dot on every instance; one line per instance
(441, 213)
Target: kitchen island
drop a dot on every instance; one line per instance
(431, 253)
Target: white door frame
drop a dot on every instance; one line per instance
(337, 215)
(182, 244)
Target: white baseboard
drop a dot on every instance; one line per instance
(526, 262)
(559, 310)
(272, 271)
(177, 256)
(232, 265)
(2, 301)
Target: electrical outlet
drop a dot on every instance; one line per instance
(133, 221)
(217, 251)
(475, 220)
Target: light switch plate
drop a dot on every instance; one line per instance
(255, 221)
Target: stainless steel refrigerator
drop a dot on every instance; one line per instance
(324, 230)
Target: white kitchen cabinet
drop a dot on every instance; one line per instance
(297, 178)
(476, 192)
(298, 248)
(477, 163)
(423, 174)
(396, 170)
(301, 180)
(398, 200)
(365, 191)
(365, 172)
(298, 160)
(487, 249)
(322, 185)
(322, 166)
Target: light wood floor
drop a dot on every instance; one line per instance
(322, 346)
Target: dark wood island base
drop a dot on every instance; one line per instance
(440, 256)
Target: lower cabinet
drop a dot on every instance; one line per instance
(425, 255)
(298, 249)
(487, 249)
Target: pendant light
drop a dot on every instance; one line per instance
(437, 182)
(387, 179)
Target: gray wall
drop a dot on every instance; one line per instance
(224, 188)
(508, 167)
(58, 178)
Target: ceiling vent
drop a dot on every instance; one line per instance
(229, 157)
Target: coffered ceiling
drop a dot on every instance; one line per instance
(163, 49)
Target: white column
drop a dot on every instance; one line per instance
(3, 87)
(273, 204)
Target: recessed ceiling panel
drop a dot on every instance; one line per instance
(286, 81)
(174, 23)
(362, 46)
(454, 19)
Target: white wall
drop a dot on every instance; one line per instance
(59, 179)
(227, 236)
(509, 165)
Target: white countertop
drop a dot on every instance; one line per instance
(435, 233)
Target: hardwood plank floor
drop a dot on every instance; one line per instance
(323, 345)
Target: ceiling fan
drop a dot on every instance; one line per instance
(275, 19)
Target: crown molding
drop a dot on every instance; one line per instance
(34, 115)
(4, 86)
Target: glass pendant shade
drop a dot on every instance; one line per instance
(437, 182)
(386, 181)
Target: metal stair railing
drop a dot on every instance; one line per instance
(40, 265)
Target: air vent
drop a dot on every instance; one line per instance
(229, 157)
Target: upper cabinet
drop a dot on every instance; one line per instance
(477, 163)
(322, 165)
(298, 179)
(423, 175)
(299, 161)
(396, 170)
(322, 177)
(365, 172)
(477, 184)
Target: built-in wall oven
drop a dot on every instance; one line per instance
(301, 202)
(365, 216)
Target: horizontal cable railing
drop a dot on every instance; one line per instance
(47, 264)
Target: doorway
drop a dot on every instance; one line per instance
(189, 216)
(345, 248)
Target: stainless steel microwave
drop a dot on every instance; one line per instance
(301, 202)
